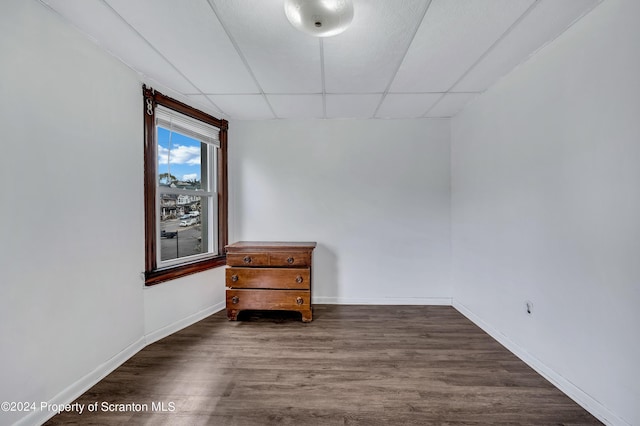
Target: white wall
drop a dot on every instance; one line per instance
(72, 303)
(70, 171)
(546, 208)
(374, 194)
(173, 305)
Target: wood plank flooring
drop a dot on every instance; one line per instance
(353, 365)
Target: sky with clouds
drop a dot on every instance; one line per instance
(183, 152)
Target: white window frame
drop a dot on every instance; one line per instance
(174, 121)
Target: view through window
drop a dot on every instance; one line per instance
(186, 189)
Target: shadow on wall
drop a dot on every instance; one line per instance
(325, 274)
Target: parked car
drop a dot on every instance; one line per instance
(188, 222)
(170, 234)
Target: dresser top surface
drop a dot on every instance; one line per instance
(264, 245)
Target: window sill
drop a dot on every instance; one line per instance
(161, 275)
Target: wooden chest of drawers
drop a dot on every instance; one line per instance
(269, 276)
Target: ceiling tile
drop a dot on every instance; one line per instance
(450, 104)
(407, 105)
(243, 107)
(283, 59)
(191, 37)
(110, 32)
(297, 106)
(206, 104)
(452, 37)
(352, 106)
(365, 57)
(544, 23)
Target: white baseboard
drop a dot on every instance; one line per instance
(156, 335)
(76, 389)
(383, 301)
(568, 388)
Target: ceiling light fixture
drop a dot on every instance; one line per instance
(320, 18)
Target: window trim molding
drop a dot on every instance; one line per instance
(154, 275)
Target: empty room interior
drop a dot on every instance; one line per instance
(460, 179)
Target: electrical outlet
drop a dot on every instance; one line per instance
(529, 307)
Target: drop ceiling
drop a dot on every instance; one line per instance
(241, 59)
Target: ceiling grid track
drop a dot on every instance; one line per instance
(242, 58)
(164, 58)
(486, 52)
(395, 73)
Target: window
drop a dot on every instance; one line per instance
(185, 177)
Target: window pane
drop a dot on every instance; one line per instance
(182, 161)
(184, 226)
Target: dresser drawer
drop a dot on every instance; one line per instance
(277, 278)
(290, 259)
(288, 300)
(248, 259)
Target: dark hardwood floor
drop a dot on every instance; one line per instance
(364, 365)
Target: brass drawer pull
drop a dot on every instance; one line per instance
(299, 300)
(234, 278)
(235, 300)
(290, 260)
(299, 279)
(247, 259)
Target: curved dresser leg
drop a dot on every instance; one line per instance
(306, 316)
